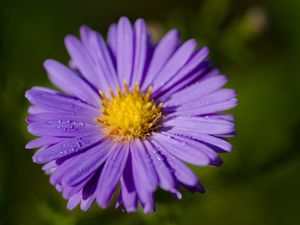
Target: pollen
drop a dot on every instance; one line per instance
(129, 114)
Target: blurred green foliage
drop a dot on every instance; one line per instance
(256, 43)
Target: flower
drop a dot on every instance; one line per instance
(131, 112)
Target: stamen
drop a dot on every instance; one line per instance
(119, 92)
(148, 94)
(111, 93)
(125, 86)
(137, 87)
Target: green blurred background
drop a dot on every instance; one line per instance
(256, 43)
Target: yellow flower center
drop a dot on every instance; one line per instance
(129, 114)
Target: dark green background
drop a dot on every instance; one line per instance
(256, 43)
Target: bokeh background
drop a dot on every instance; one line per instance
(256, 43)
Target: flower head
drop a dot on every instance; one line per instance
(131, 112)
(129, 115)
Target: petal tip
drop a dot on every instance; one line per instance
(102, 203)
(174, 32)
(140, 22)
(28, 94)
(69, 40)
(131, 209)
(28, 145)
(36, 159)
(124, 20)
(84, 28)
(148, 208)
(48, 63)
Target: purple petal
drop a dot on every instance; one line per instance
(50, 167)
(45, 89)
(209, 152)
(87, 203)
(85, 34)
(88, 193)
(161, 55)
(174, 64)
(145, 196)
(202, 125)
(36, 109)
(74, 201)
(58, 103)
(64, 168)
(213, 108)
(52, 117)
(166, 180)
(182, 173)
(140, 51)
(112, 38)
(141, 161)
(196, 188)
(70, 83)
(69, 191)
(195, 62)
(197, 90)
(125, 52)
(102, 60)
(128, 193)
(43, 141)
(201, 73)
(110, 175)
(87, 163)
(218, 96)
(66, 148)
(180, 149)
(227, 117)
(82, 60)
(60, 125)
(215, 141)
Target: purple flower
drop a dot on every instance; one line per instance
(131, 112)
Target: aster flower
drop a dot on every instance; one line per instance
(130, 113)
